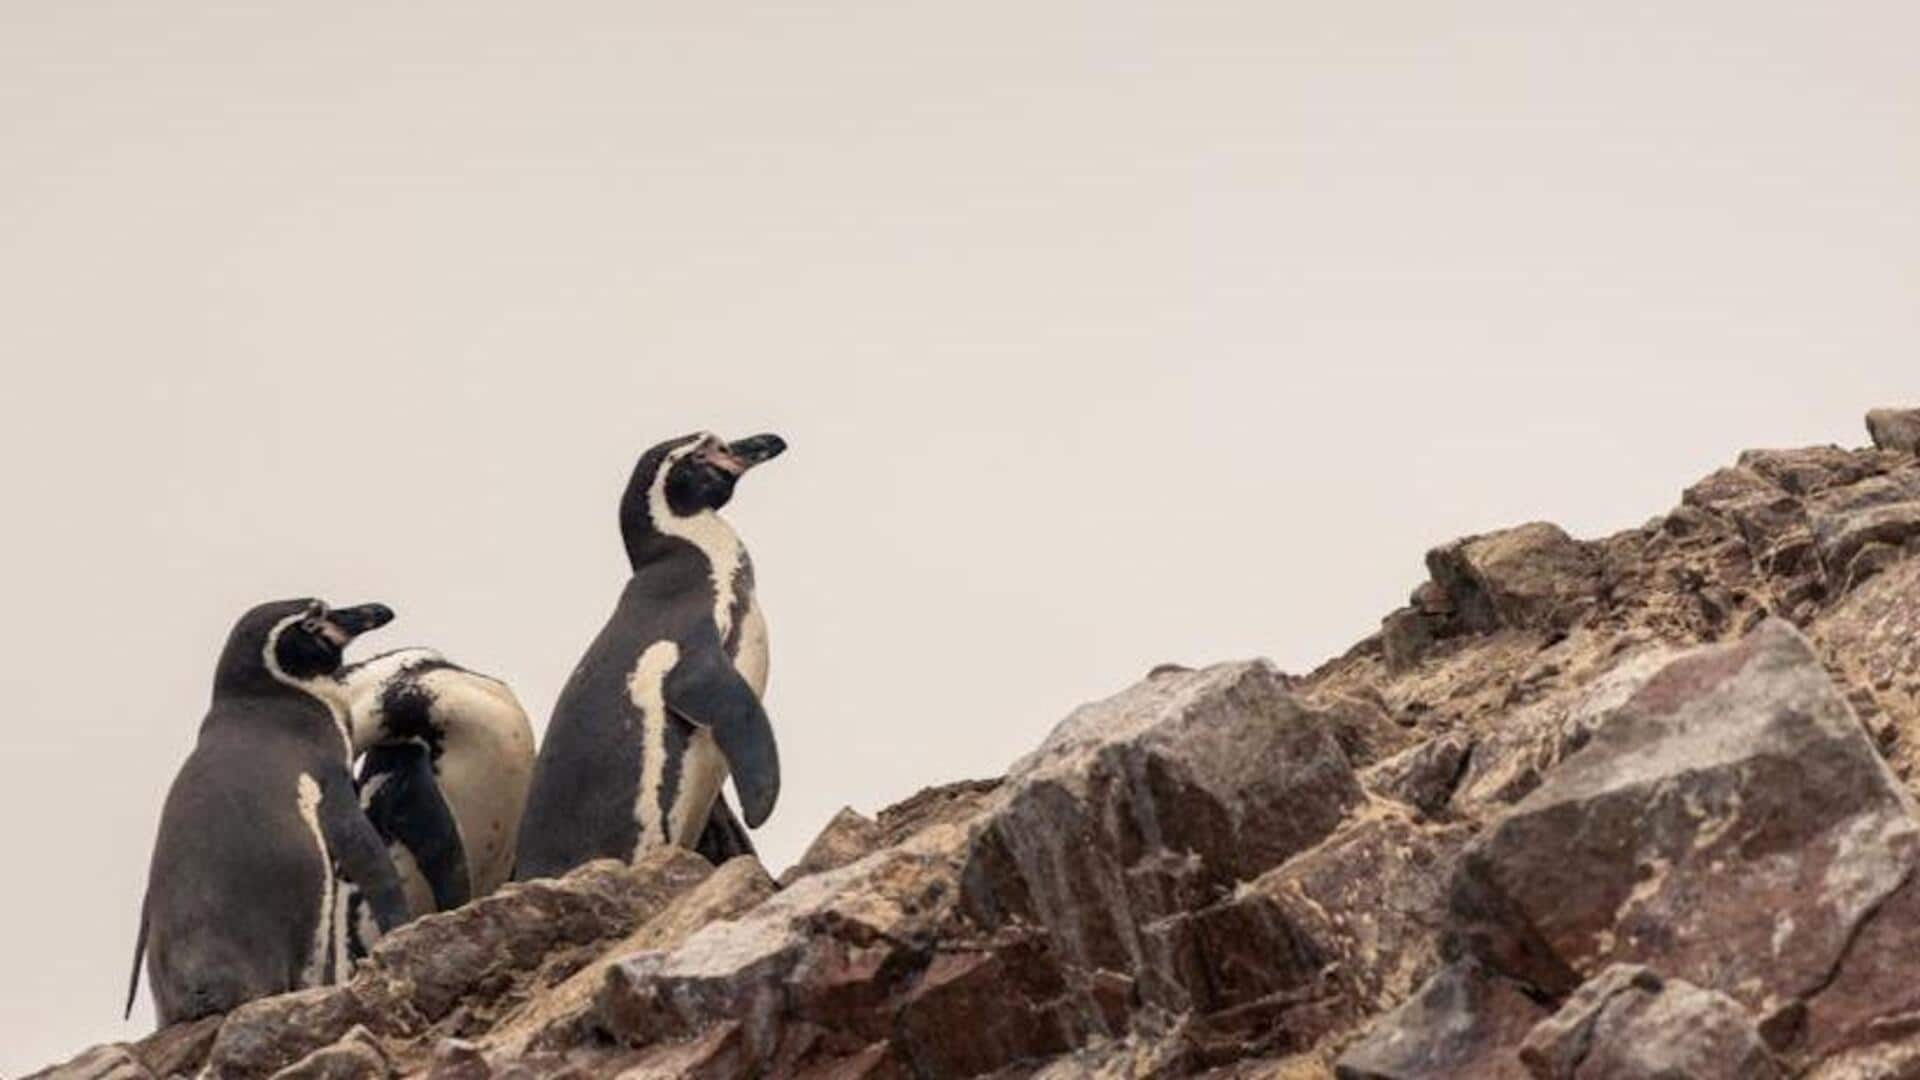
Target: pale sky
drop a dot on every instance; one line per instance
(1104, 334)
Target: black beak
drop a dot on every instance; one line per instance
(353, 621)
(755, 449)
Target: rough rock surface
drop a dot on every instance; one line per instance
(1627, 1021)
(1629, 806)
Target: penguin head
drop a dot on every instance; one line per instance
(294, 643)
(688, 477)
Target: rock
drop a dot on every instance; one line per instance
(357, 1056)
(1895, 429)
(1425, 776)
(473, 958)
(1731, 823)
(1464, 1023)
(1156, 801)
(1531, 576)
(1508, 764)
(1340, 932)
(1440, 854)
(1627, 1021)
(112, 1061)
(265, 1036)
(180, 1049)
(456, 957)
(561, 1016)
(847, 837)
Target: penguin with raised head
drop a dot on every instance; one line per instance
(666, 703)
(448, 755)
(262, 834)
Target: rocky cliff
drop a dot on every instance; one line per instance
(1632, 806)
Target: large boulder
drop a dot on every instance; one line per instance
(1731, 823)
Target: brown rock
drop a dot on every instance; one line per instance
(849, 836)
(561, 1016)
(1531, 576)
(1895, 429)
(1509, 762)
(1628, 1022)
(1338, 933)
(265, 1036)
(1156, 801)
(456, 957)
(1731, 823)
(1465, 1023)
(1425, 776)
(357, 1056)
(110, 1061)
(180, 1049)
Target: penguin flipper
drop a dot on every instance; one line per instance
(403, 802)
(706, 690)
(724, 837)
(139, 955)
(359, 852)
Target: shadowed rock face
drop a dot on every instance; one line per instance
(1635, 806)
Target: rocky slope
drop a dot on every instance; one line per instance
(1632, 806)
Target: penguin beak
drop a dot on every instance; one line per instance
(344, 624)
(740, 455)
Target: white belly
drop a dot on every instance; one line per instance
(484, 769)
(701, 775)
(750, 655)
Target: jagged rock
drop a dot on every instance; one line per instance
(1628, 1022)
(1423, 777)
(1156, 801)
(1731, 822)
(457, 964)
(112, 1061)
(1311, 947)
(1872, 641)
(1464, 1024)
(1232, 873)
(1895, 429)
(1533, 575)
(357, 1056)
(561, 1017)
(849, 836)
(1508, 764)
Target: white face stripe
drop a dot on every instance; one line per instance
(325, 689)
(646, 687)
(307, 799)
(704, 530)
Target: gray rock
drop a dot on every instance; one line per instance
(1895, 429)
(1730, 823)
(356, 1056)
(849, 836)
(1464, 1024)
(1628, 1022)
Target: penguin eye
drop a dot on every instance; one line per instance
(310, 625)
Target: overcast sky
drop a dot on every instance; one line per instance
(1104, 334)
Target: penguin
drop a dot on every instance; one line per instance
(448, 754)
(665, 705)
(262, 834)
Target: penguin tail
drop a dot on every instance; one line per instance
(139, 954)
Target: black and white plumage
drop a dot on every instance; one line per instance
(448, 755)
(665, 705)
(262, 836)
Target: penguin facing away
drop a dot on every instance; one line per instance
(448, 757)
(262, 836)
(665, 705)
